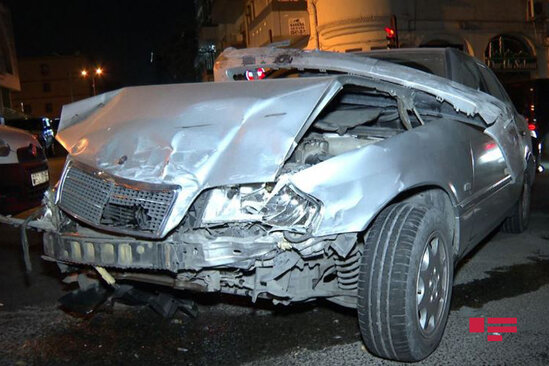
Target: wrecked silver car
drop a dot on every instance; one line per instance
(352, 179)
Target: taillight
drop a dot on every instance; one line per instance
(258, 74)
(532, 128)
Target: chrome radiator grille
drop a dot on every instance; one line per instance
(104, 202)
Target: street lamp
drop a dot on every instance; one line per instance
(98, 72)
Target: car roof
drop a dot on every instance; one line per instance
(406, 50)
(415, 50)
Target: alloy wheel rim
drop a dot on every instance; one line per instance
(432, 285)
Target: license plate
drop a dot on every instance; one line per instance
(40, 178)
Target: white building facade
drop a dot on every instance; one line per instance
(274, 21)
(509, 35)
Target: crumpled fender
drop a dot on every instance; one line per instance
(354, 187)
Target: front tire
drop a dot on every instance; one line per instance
(405, 282)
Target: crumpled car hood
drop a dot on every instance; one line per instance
(193, 135)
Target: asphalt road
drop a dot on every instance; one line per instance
(507, 276)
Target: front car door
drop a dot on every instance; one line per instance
(499, 158)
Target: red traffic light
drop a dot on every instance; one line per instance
(390, 32)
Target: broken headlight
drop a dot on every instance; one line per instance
(284, 206)
(232, 204)
(288, 207)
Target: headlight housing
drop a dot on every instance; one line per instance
(288, 207)
(233, 204)
(284, 207)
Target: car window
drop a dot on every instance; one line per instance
(493, 85)
(426, 62)
(467, 73)
(412, 64)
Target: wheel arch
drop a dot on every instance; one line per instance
(431, 195)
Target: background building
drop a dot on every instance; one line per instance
(249, 23)
(222, 26)
(509, 35)
(9, 76)
(47, 83)
(273, 21)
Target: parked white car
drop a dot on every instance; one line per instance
(24, 171)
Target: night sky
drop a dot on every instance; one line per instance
(118, 34)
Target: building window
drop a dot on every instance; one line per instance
(49, 108)
(6, 100)
(44, 69)
(535, 10)
(249, 13)
(5, 59)
(509, 53)
(46, 87)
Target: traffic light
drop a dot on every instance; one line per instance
(391, 33)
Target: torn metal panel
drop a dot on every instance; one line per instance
(464, 99)
(111, 251)
(354, 186)
(511, 144)
(194, 136)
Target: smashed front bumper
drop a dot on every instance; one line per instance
(249, 262)
(93, 248)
